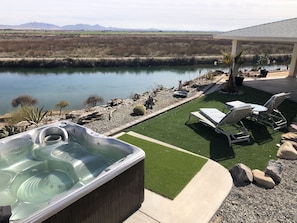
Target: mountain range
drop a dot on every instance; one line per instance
(47, 26)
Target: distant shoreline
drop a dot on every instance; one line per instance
(119, 61)
(106, 62)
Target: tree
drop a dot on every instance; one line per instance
(93, 100)
(62, 104)
(24, 100)
(263, 59)
(233, 62)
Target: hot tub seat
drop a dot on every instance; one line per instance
(85, 165)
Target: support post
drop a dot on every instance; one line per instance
(236, 49)
(293, 64)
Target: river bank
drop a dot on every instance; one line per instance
(107, 62)
(139, 61)
(116, 114)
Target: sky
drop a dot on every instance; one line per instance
(186, 15)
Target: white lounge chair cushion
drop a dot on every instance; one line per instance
(213, 114)
(235, 104)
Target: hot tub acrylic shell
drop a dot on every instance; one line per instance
(110, 194)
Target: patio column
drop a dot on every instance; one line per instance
(236, 48)
(293, 64)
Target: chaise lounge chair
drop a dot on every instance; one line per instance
(272, 117)
(228, 124)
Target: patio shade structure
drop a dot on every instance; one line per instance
(284, 31)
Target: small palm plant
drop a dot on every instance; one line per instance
(93, 100)
(233, 62)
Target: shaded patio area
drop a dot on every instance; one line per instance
(275, 82)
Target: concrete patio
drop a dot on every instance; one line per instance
(275, 82)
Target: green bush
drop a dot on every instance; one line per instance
(17, 116)
(139, 109)
(209, 76)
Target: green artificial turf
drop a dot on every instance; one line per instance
(171, 127)
(167, 171)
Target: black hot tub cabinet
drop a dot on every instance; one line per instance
(64, 172)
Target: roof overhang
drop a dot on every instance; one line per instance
(284, 31)
(257, 39)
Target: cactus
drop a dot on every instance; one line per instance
(139, 109)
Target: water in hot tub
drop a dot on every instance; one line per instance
(31, 175)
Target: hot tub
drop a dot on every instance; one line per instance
(64, 172)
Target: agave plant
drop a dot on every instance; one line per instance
(34, 115)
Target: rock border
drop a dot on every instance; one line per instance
(242, 175)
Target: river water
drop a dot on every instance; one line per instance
(50, 86)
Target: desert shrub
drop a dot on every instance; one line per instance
(209, 76)
(62, 104)
(139, 109)
(93, 100)
(17, 116)
(87, 45)
(24, 100)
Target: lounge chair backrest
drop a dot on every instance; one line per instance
(275, 101)
(236, 114)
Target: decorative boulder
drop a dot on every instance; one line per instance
(294, 144)
(241, 174)
(287, 151)
(274, 170)
(89, 117)
(262, 180)
(71, 116)
(136, 97)
(115, 102)
(290, 136)
(293, 128)
(23, 125)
